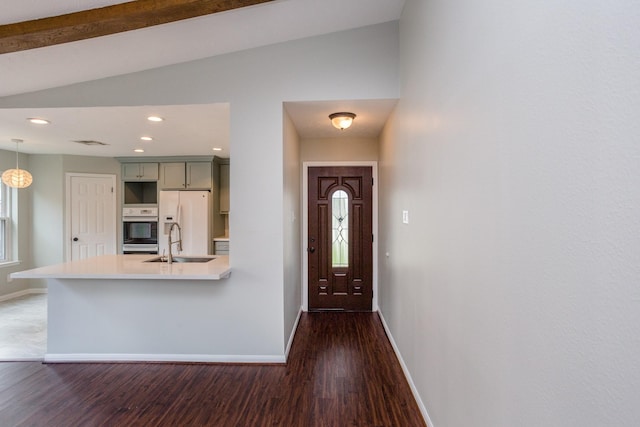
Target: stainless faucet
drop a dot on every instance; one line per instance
(179, 241)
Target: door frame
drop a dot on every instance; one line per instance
(67, 209)
(305, 225)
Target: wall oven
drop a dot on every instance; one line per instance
(140, 230)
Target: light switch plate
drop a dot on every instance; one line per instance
(405, 217)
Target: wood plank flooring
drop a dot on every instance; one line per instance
(341, 372)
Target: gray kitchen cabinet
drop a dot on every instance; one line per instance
(139, 171)
(224, 188)
(172, 176)
(185, 175)
(198, 175)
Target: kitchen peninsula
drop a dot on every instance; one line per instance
(125, 308)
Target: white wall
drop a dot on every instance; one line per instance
(255, 83)
(513, 292)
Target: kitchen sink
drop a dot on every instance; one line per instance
(182, 259)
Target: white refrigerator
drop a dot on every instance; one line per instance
(191, 210)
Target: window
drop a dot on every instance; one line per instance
(340, 228)
(5, 223)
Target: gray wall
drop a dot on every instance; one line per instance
(49, 201)
(255, 83)
(513, 291)
(292, 220)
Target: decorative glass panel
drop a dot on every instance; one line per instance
(340, 229)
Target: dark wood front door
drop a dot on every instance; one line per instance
(340, 238)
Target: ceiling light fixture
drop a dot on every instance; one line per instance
(139, 150)
(155, 119)
(17, 178)
(217, 149)
(146, 138)
(342, 120)
(38, 121)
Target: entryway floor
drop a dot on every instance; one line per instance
(23, 328)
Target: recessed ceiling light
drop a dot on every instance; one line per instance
(38, 121)
(146, 138)
(139, 150)
(155, 119)
(217, 149)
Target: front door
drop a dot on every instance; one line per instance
(340, 238)
(92, 215)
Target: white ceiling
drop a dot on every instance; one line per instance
(255, 26)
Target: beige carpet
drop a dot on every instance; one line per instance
(23, 328)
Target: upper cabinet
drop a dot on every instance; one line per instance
(139, 171)
(185, 176)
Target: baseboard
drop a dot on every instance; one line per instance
(22, 293)
(293, 334)
(407, 374)
(166, 358)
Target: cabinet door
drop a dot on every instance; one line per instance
(139, 171)
(224, 188)
(149, 171)
(172, 176)
(199, 175)
(130, 171)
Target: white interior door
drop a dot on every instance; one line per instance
(91, 215)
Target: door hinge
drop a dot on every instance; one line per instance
(372, 238)
(372, 184)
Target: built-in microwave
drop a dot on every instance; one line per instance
(140, 193)
(140, 230)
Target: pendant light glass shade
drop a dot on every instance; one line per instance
(342, 120)
(17, 178)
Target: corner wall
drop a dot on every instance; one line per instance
(513, 293)
(291, 223)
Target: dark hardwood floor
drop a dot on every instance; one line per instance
(341, 372)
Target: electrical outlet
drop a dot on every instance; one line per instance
(405, 217)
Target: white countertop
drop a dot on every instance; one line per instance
(130, 267)
(221, 239)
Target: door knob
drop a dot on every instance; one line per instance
(312, 249)
(75, 239)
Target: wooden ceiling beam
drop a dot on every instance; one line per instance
(103, 21)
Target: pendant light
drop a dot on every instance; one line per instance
(342, 120)
(17, 178)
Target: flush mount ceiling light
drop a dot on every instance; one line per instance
(342, 120)
(155, 119)
(146, 138)
(139, 150)
(38, 121)
(17, 178)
